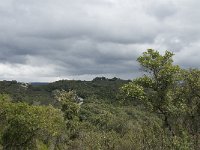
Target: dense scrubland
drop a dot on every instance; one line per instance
(158, 111)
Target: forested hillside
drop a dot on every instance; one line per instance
(100, 87)
(158, 111)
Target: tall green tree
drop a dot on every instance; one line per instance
(153, 88)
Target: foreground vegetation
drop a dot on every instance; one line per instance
(160, 110)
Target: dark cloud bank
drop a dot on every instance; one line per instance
(46, 40)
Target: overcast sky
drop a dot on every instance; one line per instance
(48, 40)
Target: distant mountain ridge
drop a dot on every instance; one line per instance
(39, 83)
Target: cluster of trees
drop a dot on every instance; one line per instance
(160, 110)
(172, 93)
(28, 127)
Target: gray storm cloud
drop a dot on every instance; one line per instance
(46, 40)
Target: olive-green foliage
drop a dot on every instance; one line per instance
(24, 125)
(109, 127)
